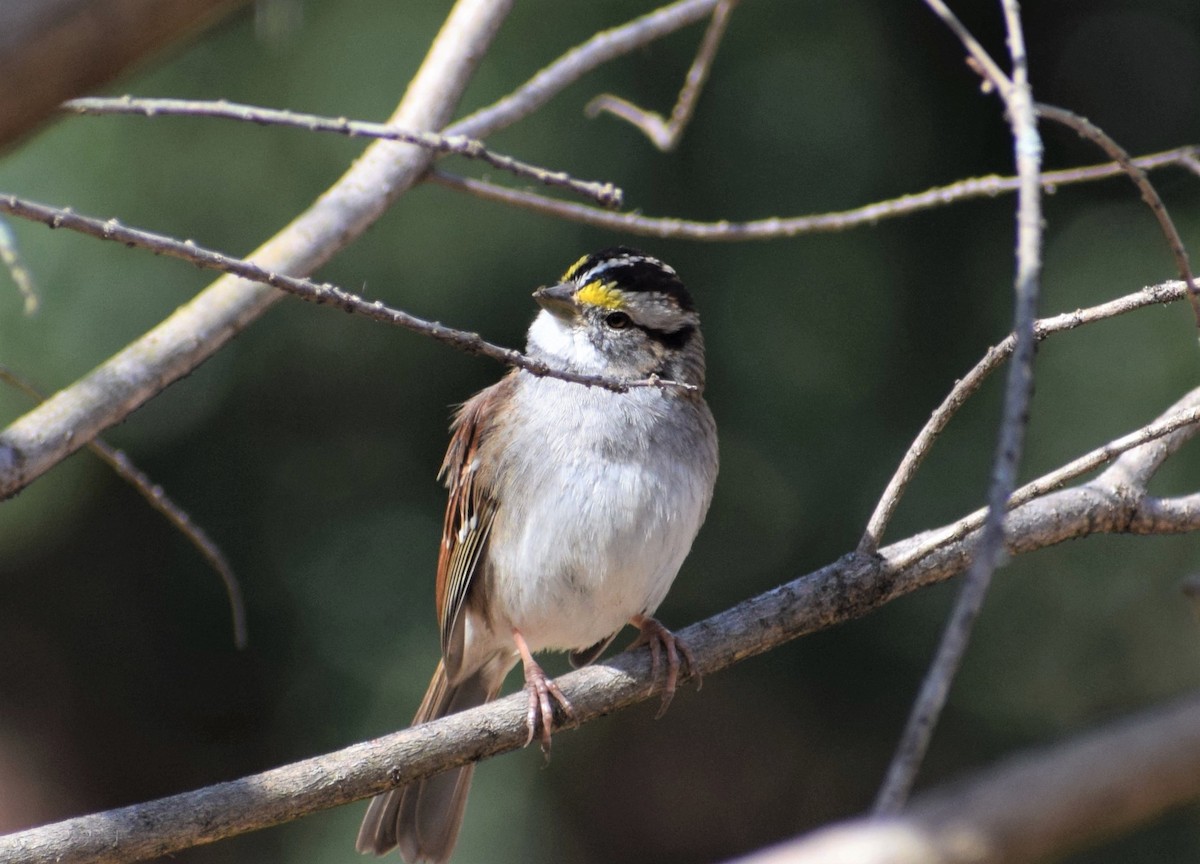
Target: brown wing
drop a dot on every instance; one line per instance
(470, 513)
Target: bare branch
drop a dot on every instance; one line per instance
(1147, 449)
(320, 293)
(195, 331)
(665, 135)
(849, 588)
(176, 515)
(983, 63)
(1136, 468)
(573, 65)
(774, 227)
(1027, 144)
(1036, 806)
(1086, 129)
(1162, 513)
(993, 77)
(459, 145)
(965, 387)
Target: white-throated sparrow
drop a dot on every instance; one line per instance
(571, 510)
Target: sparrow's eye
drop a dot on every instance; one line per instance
(617, 320)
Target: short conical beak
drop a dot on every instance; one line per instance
(558, 300)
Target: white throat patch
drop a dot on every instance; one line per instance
(553, 337)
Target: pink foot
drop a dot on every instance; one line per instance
(658, 637)
(541, 689)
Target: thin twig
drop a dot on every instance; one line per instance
(792, 226)
(965, 387)
(1086, 129)
(1184, 414)
(994, 77)
(459, 145)
(1135, 469)
(320, 293)
(577, 62)
(176, 515)
(983, 63)
(847, 589)
(665, 135)
(931, 699)
(1135, 169)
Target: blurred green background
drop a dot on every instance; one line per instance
(308, 448)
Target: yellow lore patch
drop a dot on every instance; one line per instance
(603, 294)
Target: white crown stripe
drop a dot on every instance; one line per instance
(623, 261)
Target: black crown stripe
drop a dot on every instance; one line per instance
(632, 270)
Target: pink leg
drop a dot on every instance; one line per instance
(658, 637)
(540, 690)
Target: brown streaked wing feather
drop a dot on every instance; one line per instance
(470, 511)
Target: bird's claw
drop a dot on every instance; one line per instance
(658, 638)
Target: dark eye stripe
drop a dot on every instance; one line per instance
(672, 340)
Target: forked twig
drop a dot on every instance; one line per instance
(1188, 415)
(583, 58)
(981, 61)
(965, 387)
(994, 77)
(1086, 129)
(665, 135)
(154, 495)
